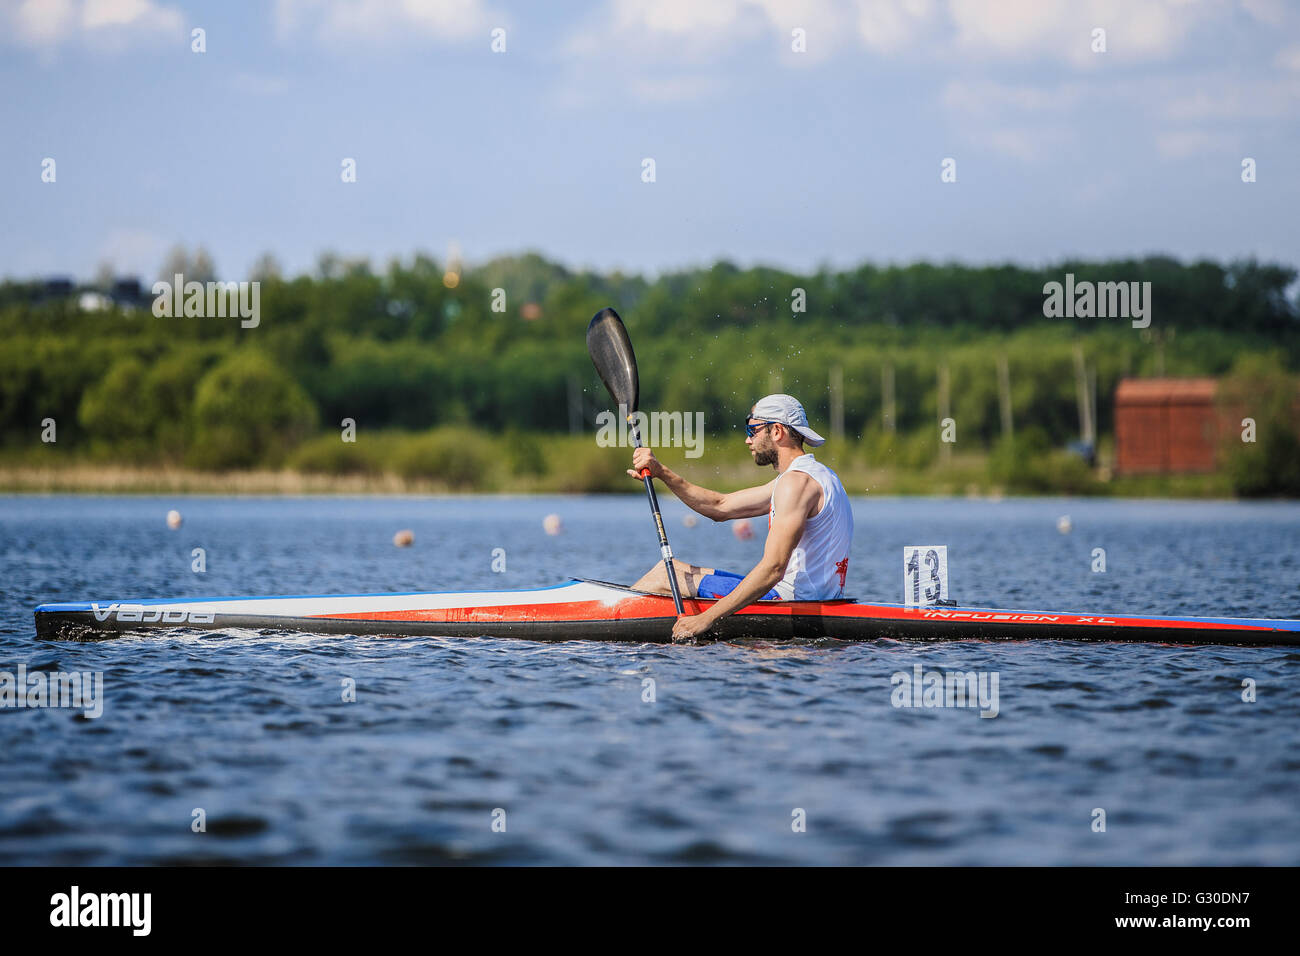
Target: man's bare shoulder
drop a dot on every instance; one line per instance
(795, 481)
(797, 488)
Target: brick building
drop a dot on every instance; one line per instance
(1167, 425)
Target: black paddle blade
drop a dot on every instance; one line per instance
(611, 353)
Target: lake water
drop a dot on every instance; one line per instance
(740, 744)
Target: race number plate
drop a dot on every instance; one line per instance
(925, 575)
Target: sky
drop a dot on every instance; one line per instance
(828, 155)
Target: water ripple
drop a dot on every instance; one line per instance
(505, 752)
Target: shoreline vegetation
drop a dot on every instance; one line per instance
(477, 379)
(569, 464)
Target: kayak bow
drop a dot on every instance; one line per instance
(595, 610)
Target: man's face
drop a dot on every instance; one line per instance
(761, 445)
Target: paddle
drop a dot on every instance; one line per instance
(611, 353)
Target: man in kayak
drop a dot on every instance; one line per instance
(809, 520)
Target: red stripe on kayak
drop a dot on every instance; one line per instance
(635, 607)
(958, 615)
(640, 607)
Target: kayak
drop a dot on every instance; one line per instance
(596, 610)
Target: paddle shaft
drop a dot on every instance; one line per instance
(664, 549)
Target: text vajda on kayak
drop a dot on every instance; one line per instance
(657, 430)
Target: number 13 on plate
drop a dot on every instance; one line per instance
(925, 575)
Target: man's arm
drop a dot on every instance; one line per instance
(796, 499)
(747, 503)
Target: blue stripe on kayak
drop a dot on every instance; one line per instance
(85, 605)
(1270, 623)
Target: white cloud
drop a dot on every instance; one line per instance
(1227, 98)
(133, 251)
(1023, 122)
(97, 14)
(679, 17)
(983, 97)
(259, 84)
(114, 23)
(982, 31)
(660, 51)
(1272, 12)
(673, 89)
(1028, 142)
(1190, 114)
(1181, 143)
(1056, 29)
(667, 31)
(1289, 58)
(827, 24)
(1009, 26)
(42, 22)
(705, 31)
(338, 21)
(887, 26)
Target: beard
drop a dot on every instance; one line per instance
(764, 456)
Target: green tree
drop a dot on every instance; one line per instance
(248, 412)
(1260, 389)
(109, 410)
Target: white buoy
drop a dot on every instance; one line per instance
(552, 525)
(742, 529)
(1064, 524)
(173, 519)
(404, 538)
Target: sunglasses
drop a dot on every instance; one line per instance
(752, 430)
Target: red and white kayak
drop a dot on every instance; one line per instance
(594, 610)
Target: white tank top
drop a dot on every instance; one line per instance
(820, 562)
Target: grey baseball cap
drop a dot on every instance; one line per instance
(786, 410)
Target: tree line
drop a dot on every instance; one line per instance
(500, 347)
